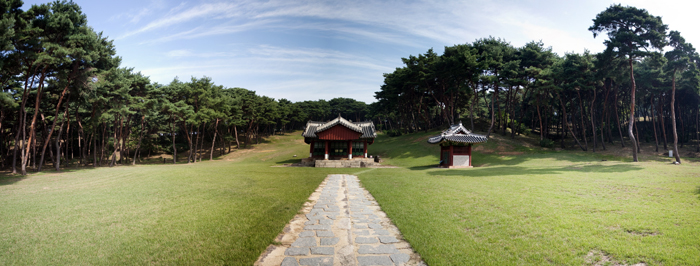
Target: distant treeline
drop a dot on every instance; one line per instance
(66, 100)
(588, 99)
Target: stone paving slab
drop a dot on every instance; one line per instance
(341, 224)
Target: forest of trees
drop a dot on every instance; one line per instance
(66, 100)
(643, 87)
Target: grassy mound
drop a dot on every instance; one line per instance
(223, 212)
(523, 204)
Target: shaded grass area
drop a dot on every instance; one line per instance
(538, 207)
(224, 212)
(521, 205)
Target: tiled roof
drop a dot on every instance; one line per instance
(366, 128)
(341, 121)
(310, 130)
(457, 133)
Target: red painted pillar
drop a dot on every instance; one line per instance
(469, 151)
(325, 157)
(349, 149)
(311, 150)
(365, 148)
(452, 153)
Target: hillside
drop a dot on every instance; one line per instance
(526, 205)
(522, 204)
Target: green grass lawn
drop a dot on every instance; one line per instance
(537, 207)
(556, 208)
(209, 213)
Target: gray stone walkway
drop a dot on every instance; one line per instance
(341, 225)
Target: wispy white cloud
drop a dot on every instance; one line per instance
(177, 15)
(203, 31)
(135, 15)
(371, 19)
(324, 47)
(189, 53)
(319, 57)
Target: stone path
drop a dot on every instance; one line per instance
(341, 225)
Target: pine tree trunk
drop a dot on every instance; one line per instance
(58, 141)
(32, 127)
(94, 147)
(602, 118)
(235, 131)
(663, 123)
(81, 138)
(494, 102)
(473, 104)
(115, 145)
(539, 117)
(617, 119)
(512, 110)
(632, 106)
(680, 116)
(138, 146)
(567, 123)
(196, 142)
(583, 121)
(636, 134)
(172, 127)
(593, 120)
(189, 139)
(201, 145)
(213, 140)
(653, 122)
(53, 125)
(673, 118)
(697, 128)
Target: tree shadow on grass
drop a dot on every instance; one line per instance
(423, 167)
(289, 161)
(495, 159)
(522, 170)
(9, 179)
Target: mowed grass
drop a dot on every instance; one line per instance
(538, 207)
(224, 212)
(521, 206)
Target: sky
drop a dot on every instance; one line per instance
(310, 50)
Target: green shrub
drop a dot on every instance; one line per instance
(393, 133)
(547, 143)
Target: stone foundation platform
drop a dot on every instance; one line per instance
(343, 163)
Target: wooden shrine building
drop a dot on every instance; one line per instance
(339, 138)
(456, 146)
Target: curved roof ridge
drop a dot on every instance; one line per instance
(457, 133)
(342, 121)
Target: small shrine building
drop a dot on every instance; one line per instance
(456, 146)
(338, 138)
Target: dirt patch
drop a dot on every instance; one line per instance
(642, 232)
(511, 153)
(504, 147)
(482, 149)
(600, 258)
(420, 139)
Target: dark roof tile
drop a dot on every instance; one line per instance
(458, 133)
(366, 128)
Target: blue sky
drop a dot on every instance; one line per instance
(310, 50)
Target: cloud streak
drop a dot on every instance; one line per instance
(175, 16)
